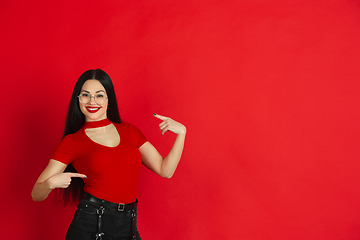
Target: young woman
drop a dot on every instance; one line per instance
(101, 156)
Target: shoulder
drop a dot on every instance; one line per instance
(132, 133)
(74, 136)
(123, 125)
(128, 128)
(68, 148)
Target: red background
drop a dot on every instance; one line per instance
(269, 92)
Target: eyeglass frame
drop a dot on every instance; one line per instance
(91, 96)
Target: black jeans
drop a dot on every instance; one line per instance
(115, 224)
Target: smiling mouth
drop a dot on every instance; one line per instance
(92, 109)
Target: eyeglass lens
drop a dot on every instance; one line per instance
(99, 98)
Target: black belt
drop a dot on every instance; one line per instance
(110, 205)
(121, 207)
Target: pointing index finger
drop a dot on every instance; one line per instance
(77, 175)
(159, 116)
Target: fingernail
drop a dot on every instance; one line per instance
(154, 114)
(85, 176)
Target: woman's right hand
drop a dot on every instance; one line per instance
(52, 177)
(62, 180)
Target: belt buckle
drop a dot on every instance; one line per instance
(121, 207)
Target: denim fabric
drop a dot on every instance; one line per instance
(115, 225)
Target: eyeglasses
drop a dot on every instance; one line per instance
(99, 98)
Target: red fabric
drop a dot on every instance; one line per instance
(97, 124)
(112, 172)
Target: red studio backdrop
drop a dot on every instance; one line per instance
(269, 92)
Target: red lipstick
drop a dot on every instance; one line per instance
(92, 109)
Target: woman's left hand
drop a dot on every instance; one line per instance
(168, 124)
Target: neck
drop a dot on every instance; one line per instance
(97, 124)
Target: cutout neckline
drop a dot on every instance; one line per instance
(97, 124)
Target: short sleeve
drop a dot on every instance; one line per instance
(140, 138)
(64, 151)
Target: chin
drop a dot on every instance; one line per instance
(95, 118)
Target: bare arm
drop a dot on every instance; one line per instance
(152, 159)
(52, 177)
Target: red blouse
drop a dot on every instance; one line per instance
(112, 172)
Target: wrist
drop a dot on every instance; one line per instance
(182, 133)
(48, 184)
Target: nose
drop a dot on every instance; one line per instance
(92, 100)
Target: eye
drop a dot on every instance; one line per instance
(85, 95)
(100, 96)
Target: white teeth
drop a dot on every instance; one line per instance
(93, 109)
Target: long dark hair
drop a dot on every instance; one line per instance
(76, 119)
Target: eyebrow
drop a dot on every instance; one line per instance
(95, 92)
